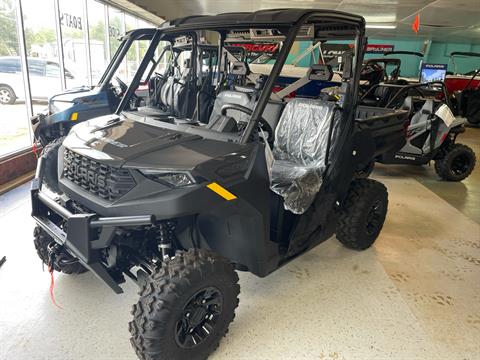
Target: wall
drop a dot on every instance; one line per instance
(436, 52)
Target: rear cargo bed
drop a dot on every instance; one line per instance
(387, 126)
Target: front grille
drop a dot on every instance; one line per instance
(102, 180)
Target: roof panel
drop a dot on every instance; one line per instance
(262, 18)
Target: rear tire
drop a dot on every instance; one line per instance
(63, 263)
(50, 158)
(457, 163)
(474, 119)
(363, 214)
(7, 95)
(191, 292)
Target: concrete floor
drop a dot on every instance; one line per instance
(414, 295)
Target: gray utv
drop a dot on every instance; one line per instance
(431, 133)
(179, 203)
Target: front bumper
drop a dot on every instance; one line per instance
(86, 235)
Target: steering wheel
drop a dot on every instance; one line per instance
(121, 84)
(123, 88)
(373, 73)
(262, 123)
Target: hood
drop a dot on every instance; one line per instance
(75, 94)
(134, 144)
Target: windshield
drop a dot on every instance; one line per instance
(218, 89)
(127, 59)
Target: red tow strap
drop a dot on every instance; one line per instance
(52, 285)
(35, 149)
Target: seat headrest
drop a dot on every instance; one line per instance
(382, 91)
(320, 72)
(427, 108)
(240, 68)
(408, 103)
(230, 97)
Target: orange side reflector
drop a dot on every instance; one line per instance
(227, 195)
(74, 116)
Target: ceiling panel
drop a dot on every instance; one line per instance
(383, 10)
(455, 20)
(442, 16)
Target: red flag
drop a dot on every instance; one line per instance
(416, 24)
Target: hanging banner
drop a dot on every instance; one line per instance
(254, 51)
(332, 53)
(379, 48)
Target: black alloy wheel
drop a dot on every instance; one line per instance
(460, 165)
(199, 318)
(456, 163)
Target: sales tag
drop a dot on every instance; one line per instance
(444, 113)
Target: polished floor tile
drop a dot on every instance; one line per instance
(414, 295)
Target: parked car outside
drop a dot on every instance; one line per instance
(44, 79)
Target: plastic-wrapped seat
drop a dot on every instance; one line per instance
(299, 151)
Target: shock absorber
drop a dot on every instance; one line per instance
(166, 237)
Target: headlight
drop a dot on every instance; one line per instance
(57, 106)
(175, 179)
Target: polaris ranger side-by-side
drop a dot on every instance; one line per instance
(179, 203)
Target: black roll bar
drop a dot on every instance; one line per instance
(465, 53)
(140, 71)
(266, 92)
(406, 88)
(415, 86)
(415, 53)
(471, 79)
(122, 50)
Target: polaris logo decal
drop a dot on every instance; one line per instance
(405, 157)
(88, 176)
(113, 142)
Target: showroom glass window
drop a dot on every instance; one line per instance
(72, 22)
(143, 46)
(14, 125)
(116, 28)
(133, 58)
(98, 35)
(124, 74)
(41, 41)
(105, 24)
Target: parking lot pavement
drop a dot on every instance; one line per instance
(14, 123)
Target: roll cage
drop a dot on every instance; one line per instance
(403, 91)
(284, 25)
(400, 52)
